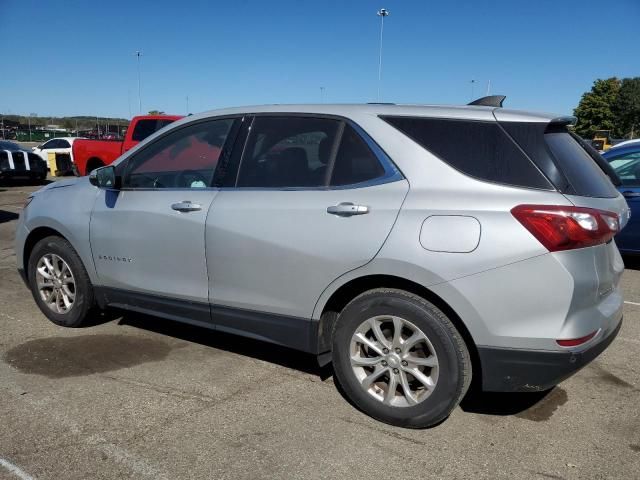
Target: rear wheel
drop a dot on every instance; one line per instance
(59, 282)
(400, 359)
(92, 164)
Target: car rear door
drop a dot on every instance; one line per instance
(147, 238)
(313, 198)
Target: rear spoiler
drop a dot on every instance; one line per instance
(489, 101)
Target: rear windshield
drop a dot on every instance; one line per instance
(561, 157)
(479, 149)
(144, 128)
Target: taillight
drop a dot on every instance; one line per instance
(565, 228)
(574, 342)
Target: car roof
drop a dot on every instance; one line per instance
(635, 147)
(347, 110)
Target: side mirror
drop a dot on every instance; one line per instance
(105, 177)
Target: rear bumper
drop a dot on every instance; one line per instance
(513, 370)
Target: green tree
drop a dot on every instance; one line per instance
(626, 108)
(594, 111)
(156, 112)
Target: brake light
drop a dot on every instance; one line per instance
(567, 227)
(574, 342)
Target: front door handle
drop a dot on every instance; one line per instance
(186, 206)
(347, 209)
(630, 194)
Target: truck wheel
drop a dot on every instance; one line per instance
(400, 359)
(92, 164)
(59, 282)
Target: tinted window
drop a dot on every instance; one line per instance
(49, 144)
(185, 158)
(478, 149)
(564, 161)
(144, 128)
(627, 166)
(355, 163)
(63, 144)
(287, 152)
(582, 172)
(290, 152)
(4, 159)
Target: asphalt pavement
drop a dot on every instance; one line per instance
(141, 397)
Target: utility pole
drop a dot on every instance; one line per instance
(29, 120)
(138, 54)
(488, 87)
(383, 12)
(321, 94)
(473, 83)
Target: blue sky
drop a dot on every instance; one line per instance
(76, 57)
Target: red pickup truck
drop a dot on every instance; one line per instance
(91, 154)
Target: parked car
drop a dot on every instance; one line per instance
(626, 143)
(412, 246)
(91, 154)
(625, 160)
(55, 145)
(16, 163)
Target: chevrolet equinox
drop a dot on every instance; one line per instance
(413, 247)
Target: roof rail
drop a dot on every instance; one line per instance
(490, 101)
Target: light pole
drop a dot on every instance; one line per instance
(187, 104)
(138, 54)
(383, 12)
(321, 94)
(473, 83)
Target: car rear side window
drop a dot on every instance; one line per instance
(145, 128)
(298, 152)
(570, 167)
(476, 148)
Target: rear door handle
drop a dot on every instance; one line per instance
(186, 206)
(347, 209)
(631, 194)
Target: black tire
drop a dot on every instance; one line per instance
(453, 356)
(77, 315)
(92, 164)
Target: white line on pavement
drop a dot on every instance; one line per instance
(18, 472)
(632, 303)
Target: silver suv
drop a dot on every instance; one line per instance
(412, 246)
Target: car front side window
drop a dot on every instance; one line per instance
(184, 158)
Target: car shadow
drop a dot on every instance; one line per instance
(632, 262)
(248, 347)
(23, 183)
(6, 216)
(534, 406)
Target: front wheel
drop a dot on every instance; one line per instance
(59, 282)
(400, 359)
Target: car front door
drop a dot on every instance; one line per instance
(147, 238)
(312, 200)
(627, 166)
